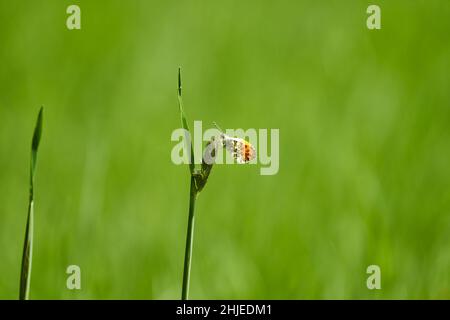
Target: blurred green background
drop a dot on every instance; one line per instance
(364, 125)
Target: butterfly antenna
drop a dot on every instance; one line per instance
(217, 126)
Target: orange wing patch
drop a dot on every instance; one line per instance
(248, 152)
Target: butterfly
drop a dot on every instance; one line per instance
(240, 149)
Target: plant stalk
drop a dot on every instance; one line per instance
(27, 253)
(189, 240)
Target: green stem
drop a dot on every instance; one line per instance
(27, 255)
(189, 241)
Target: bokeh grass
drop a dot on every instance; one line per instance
(364, 142)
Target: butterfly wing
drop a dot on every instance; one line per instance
(240, 149)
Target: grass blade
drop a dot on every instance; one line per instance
(192, 199)
(184, 123)
(27, 256)
(198, 181)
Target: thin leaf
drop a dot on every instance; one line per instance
(27, 256)
(185, 124)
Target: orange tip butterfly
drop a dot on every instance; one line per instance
(240, 149)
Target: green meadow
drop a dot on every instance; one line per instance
(364, 148)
